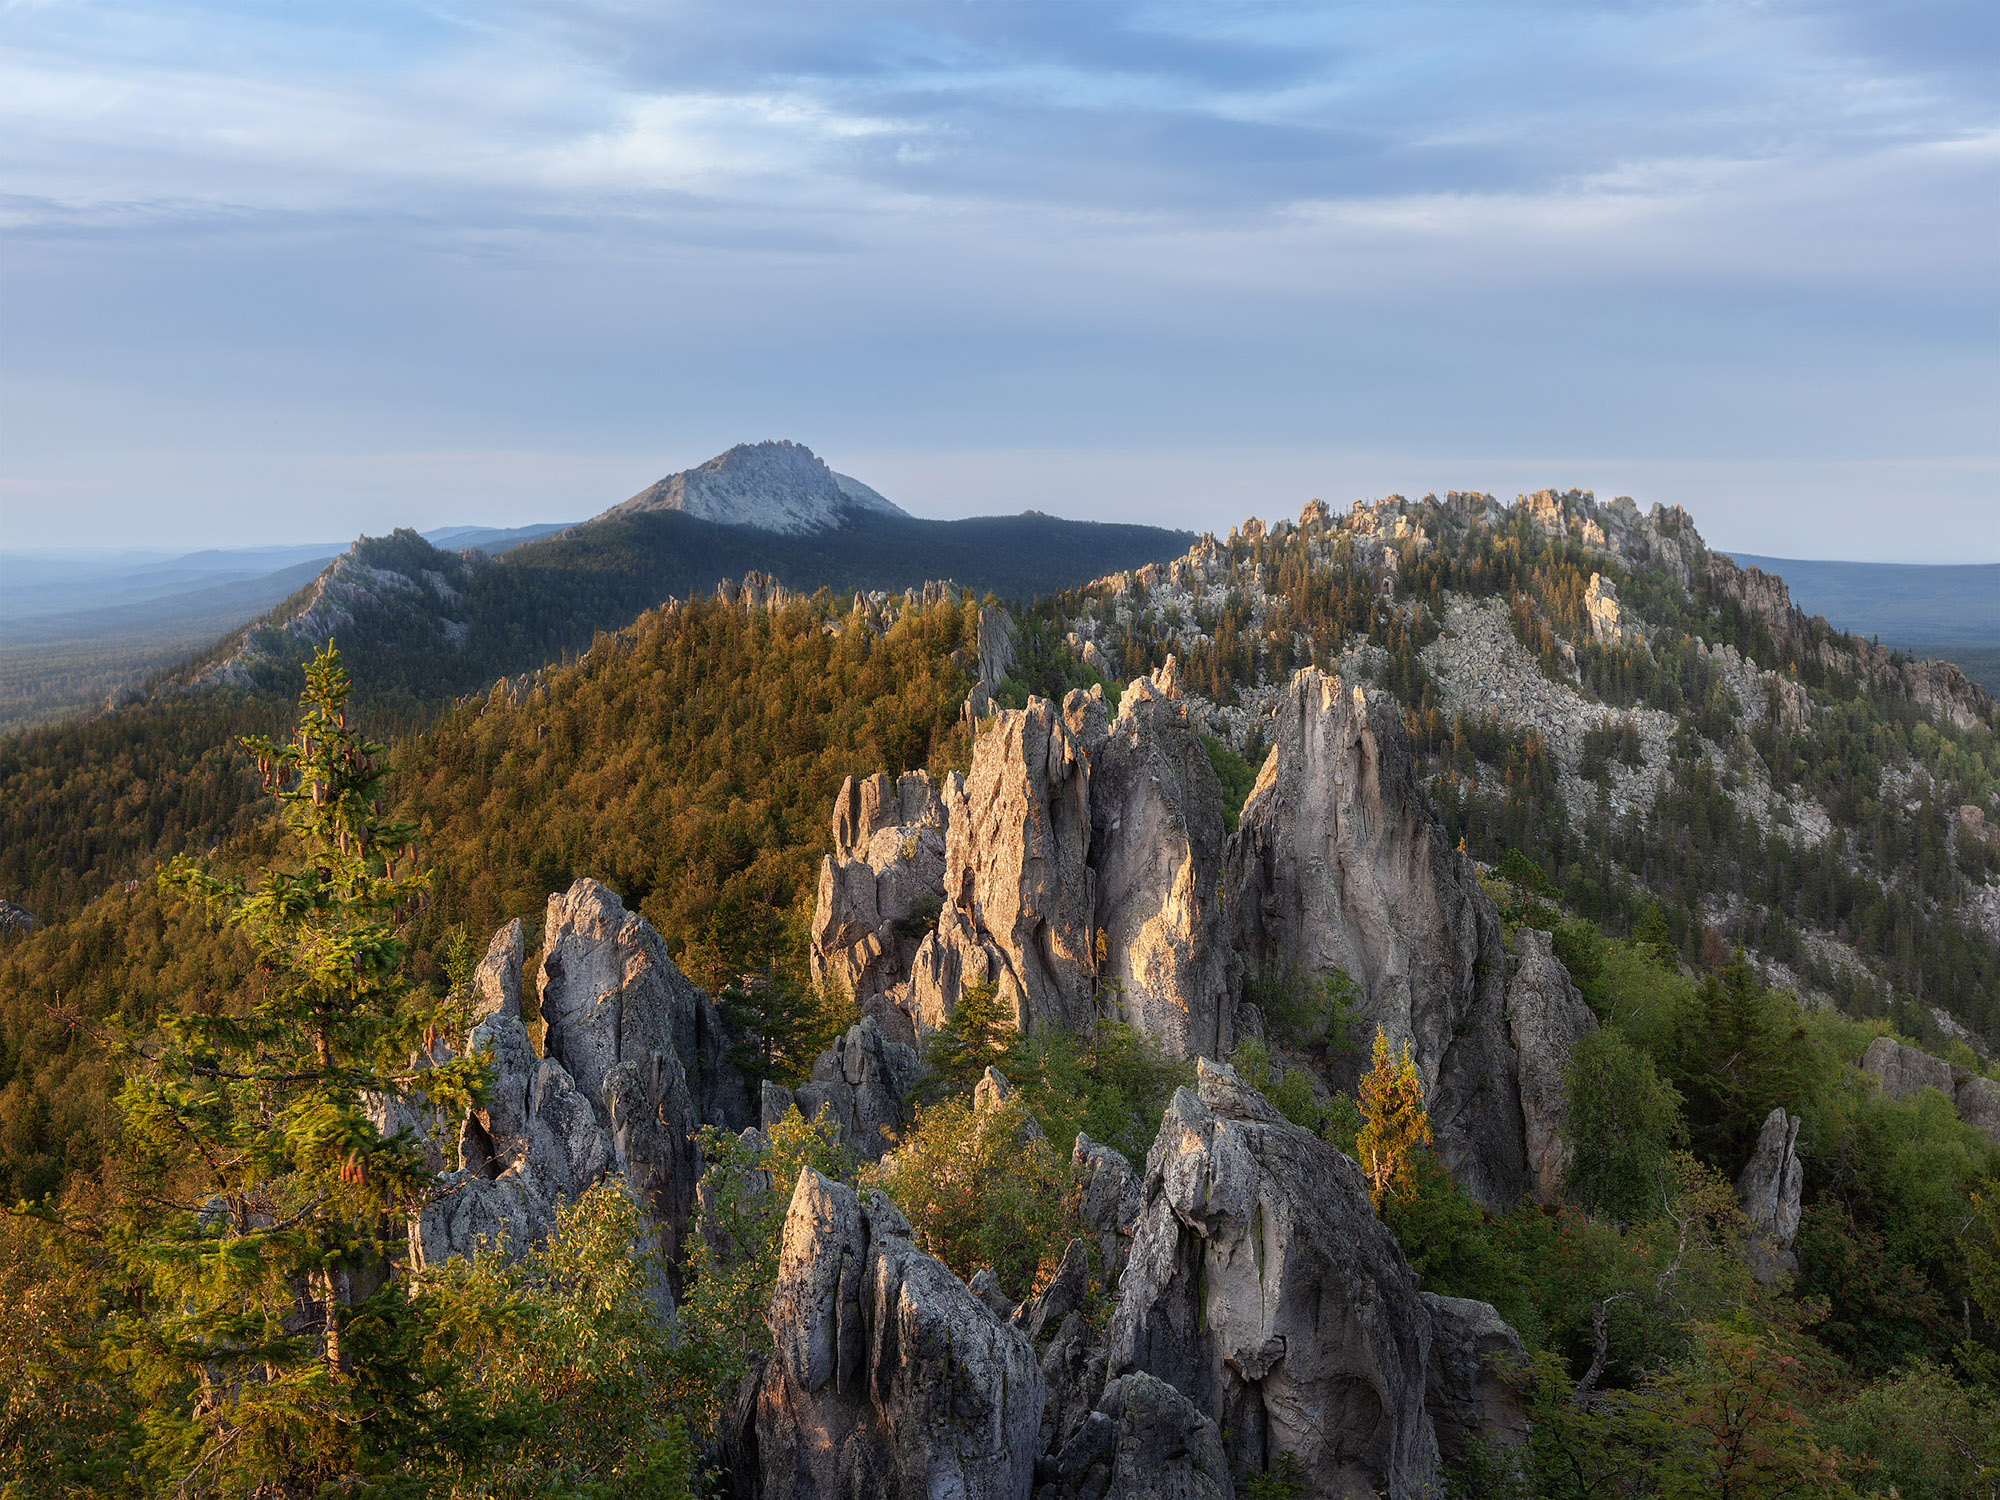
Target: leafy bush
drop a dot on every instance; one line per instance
(568, 1366)
(983, 1189)
(1623, 1120)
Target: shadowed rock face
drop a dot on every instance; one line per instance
(1156, 841)
(1470, 1382)
(864, 1080)
(1264, 1289)
(889, 1378)
(1546, 1017)
(1338, 863)
(1017, 893)
(1770, 1188)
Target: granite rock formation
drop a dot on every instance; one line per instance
(1471, 1384)
(1770, 1188)
(864, 1081)
(878, 890)
(1264, 1289)
(1156, 843)
(890, 1378)
(1546, 1017)
(1017, 908)
(1338, 864)
(1904, 1071)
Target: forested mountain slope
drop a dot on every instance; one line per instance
(1511, 784)
(421, 625)
(1653, 725)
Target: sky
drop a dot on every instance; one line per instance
(277, 273)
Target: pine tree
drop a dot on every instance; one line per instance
(1395, 1125)
(275, 1342)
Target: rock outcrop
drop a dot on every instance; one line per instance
(879, 892)
(1156, 845)
(1546, 1017)
(1017, 907)
(1144, 1441)
(1770, 1188)
(890, 1378)
(1338, 863)
(1264, 1289)
(1904, 1072)
(864, 1081)
(1111, 1201)
(1472, 1384)
(644, 1046)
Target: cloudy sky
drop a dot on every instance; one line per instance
(284, 272)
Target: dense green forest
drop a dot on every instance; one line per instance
(548, 599)
(690, 761)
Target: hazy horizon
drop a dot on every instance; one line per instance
(334, 269)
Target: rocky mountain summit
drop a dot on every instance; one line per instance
(773, 486)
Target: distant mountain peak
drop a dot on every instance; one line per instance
(774, 486)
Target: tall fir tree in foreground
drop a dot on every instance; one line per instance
(277, 1345)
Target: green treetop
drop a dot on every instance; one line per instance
(276, 1342)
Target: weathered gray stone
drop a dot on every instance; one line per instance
(1978, 1101)
(1065, 1294)
(610, 994)
(1262, 1287)
(1156, 844)
(996, 645)
(1770, 1188)
(885, 873)
(890, 1379)
(1904, 1071)
(496, 983)
(1111, 1200)
(1470, 1384)
(864, 1080)
(470, 1212)
(1339, 863)
(1017, 908)
(774, 1103)
(985, 1285)
(1145, 1441)
(1546, 1017)
(644, 1047)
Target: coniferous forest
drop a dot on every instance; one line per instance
(234, 1057)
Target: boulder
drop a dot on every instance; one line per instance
(864, 1080)
(1144, 1441)
(1339, 863)
(1017, 908)
(469, 1212)
(1546, 1017)
(1470, 1385)
(1263, 1288)
(1770, 1187)
(1978, 1101)
(1904, 1071)
(1156, 844)
(890, 1378)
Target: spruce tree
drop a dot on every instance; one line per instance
(275, 1341)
